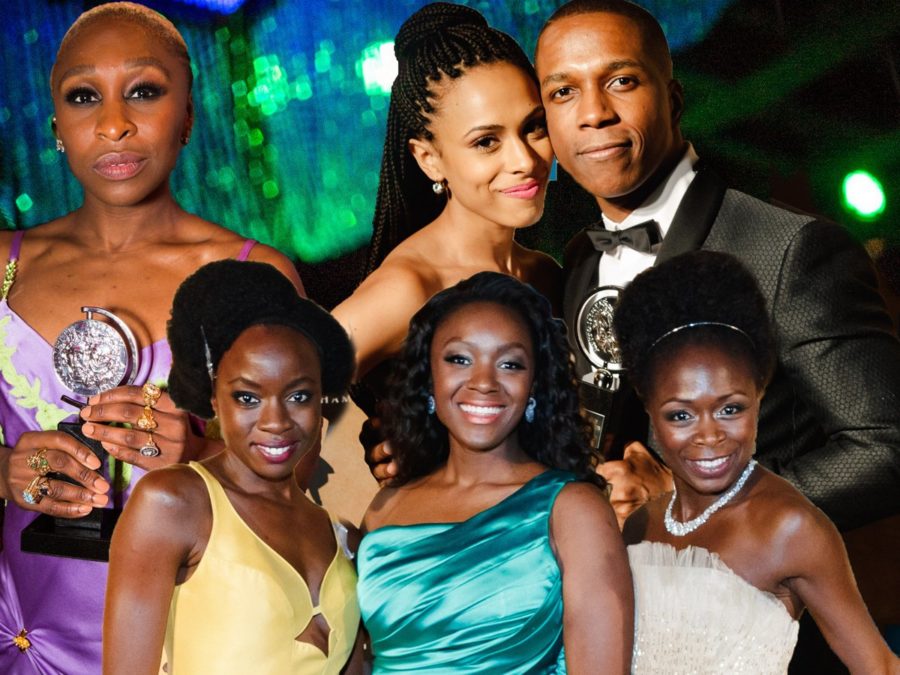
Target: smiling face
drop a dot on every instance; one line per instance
(490, 144)
(612, 107)
(704, 405)
(123, 106)
(268, 398)
(482, 367)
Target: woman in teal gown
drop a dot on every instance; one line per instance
(493, 550)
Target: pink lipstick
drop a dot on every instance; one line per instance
(119, 165)
(524, 191)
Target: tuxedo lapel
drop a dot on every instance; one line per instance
(694, 216)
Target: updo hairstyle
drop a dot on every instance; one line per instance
(440, 41)
(220, 301)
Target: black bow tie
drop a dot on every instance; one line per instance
(644, 237)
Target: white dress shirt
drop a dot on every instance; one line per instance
(622, 264)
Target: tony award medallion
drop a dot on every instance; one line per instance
(90, 356)
(598, 344)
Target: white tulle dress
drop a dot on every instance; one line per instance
(694, 615)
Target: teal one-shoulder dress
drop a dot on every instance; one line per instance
(480, 596)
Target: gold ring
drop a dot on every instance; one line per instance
(146, 421)
(43, 485)
(38, 461)
(149, 449)
(37, 489)
(151, 394)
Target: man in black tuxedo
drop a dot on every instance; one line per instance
(830, 420)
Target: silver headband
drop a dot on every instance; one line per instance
(697, 324)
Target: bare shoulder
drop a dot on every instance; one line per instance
(398, 278)
(581, 505)
(278, 260)
(172, 491)
(6, 237)
(377, 314)
(38, 238)
(788, 522)
(377, 514)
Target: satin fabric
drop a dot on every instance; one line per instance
(243, 607)
(57, 601)
(480, 596)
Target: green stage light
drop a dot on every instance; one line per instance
(378, 68)
(863, 195)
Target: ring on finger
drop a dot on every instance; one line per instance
(43, 486)
(146, 421)
(32, 494)
(39, 462)
(151, 394)
(150, 449)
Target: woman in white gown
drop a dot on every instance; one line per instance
(725, 564)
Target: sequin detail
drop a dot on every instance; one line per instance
(9, 276)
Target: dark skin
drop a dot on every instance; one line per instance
(613, 112)
(123, 109)
(482, 362)
(267, 395)
(490, 138)
(704, 405)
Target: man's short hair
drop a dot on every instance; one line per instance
(651, 32)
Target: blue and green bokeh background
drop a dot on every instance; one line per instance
(291, 99)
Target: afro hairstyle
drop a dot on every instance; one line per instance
(220, 301)
(696, 287)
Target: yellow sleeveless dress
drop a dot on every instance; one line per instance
(243, 607)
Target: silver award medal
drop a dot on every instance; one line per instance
(598, 344)
(91, 356)
(595, 333)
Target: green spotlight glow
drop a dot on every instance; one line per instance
(24, 202)
(378, 68)
(863, 195)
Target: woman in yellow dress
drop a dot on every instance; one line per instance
(233, 568)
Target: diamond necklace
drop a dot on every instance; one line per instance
(681, 529)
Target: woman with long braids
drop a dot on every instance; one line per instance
(466, 162)
(492, 550)
(726, 563)
(121, 88)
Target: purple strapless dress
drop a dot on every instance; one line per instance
(57, 601)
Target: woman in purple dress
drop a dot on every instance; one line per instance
(121, 89)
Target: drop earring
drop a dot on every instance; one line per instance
(59, 146)
(529, 409)
(430, 405)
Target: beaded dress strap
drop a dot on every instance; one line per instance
(245, 249)
(9, 274)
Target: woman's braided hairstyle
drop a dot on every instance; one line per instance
(439, 41)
